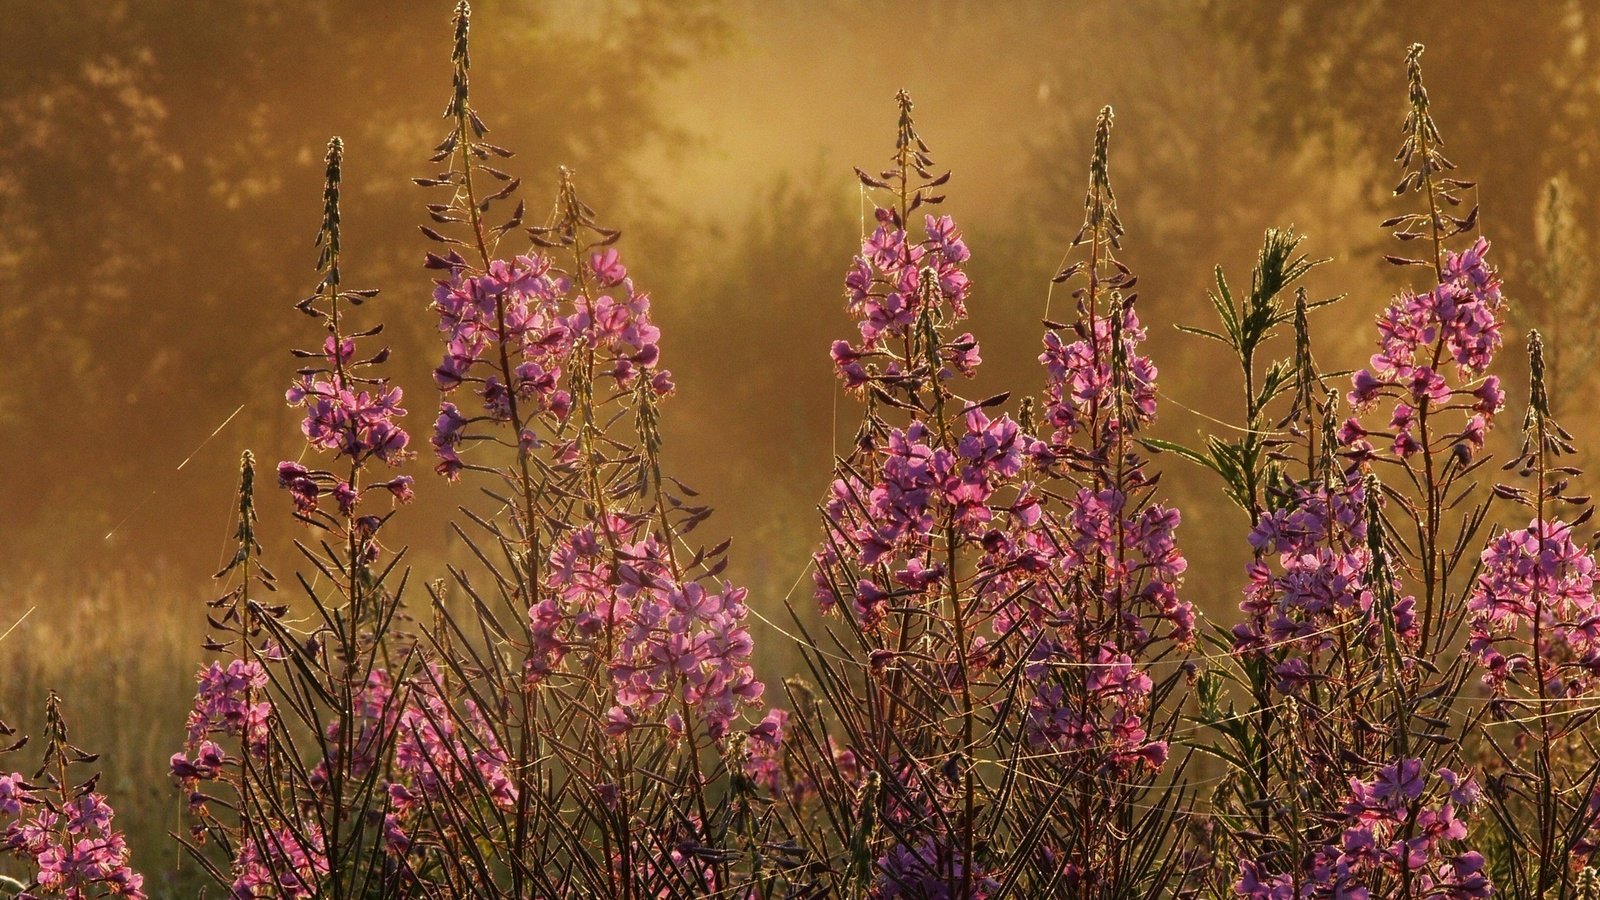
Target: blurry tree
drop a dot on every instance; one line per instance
(155, 163)
(1559, 276)
(760, 312)
(1515, 87)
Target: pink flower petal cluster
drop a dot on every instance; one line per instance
(1400, 826)
(72, 849)
(352, 414)
(287, 863)
(1089, 690)
(230, 705)
(1459, 323)
(1539, 582)
(432, 755)
(1092, 587)
(1322, 588)
(1098, 724)
(675, 645)
(514, 308)
(620, 328)
(359, 424)
(892, 522)
(230, 702)
(891, 281)
(1081, 385)
(764, 741)
(527, 317)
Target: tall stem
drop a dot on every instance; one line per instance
(529, 749)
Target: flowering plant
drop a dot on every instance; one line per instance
(1007, 684)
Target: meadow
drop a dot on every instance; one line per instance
(1336, 635)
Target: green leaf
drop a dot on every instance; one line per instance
(1201, 332)
(1233, 759)
(1159, 446)
(1223, 301)
(1277, 377)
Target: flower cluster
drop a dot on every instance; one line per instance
(348, 411)
(1400, 827)
(1537, 583)
(1089, 688)
(764, 743)
(59, 826)
(512, 332)
(74, 850)
(511, 308)
(687, 643)
(1099, 373)
(1133, 546)
(893, 283)
(358, 424)
(230, 702)
(1323, 590)
(619, 329)
(1104, 720)
(433, 755)
(287, 863)
(1459, 322)
(893, 521)
(671, 641)
(1089, 691)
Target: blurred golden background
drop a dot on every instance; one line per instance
(160, 171)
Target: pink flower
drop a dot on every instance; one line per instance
(1460, 320)
(608, 268)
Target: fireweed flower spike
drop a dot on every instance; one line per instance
(623, 653)
(1106, 570)
(300, 816)
(349, 411)
(1346, 780)
(222, 766)
(1431, 369)
(60, 827)
(1432, 366)
(503, 383)
(1435, 351)
(952, 573)
(904, 520)
(1535, 635)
